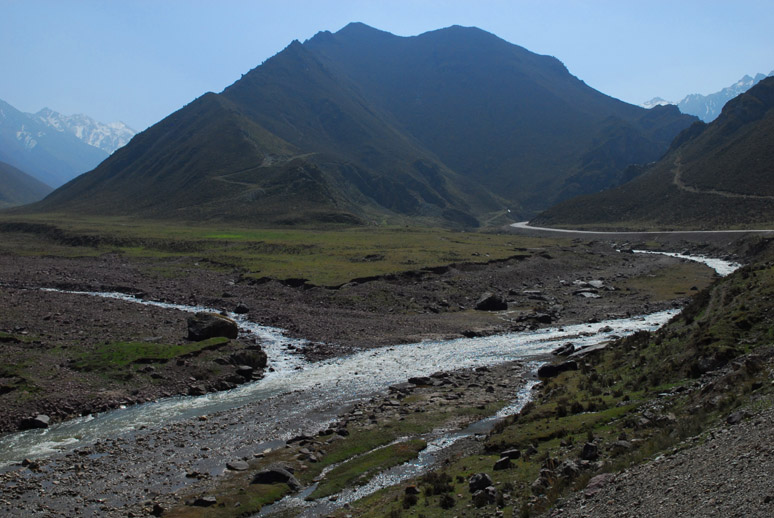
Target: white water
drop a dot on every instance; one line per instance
(721, 266)
(341, 379)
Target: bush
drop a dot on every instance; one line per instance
(447, 501)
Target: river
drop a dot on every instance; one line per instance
(297, 391)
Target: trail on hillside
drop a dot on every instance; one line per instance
(678, 182)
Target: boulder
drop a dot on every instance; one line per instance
(479, 481)
(502, 463)
(564, 350)
(511, 454)
(412, 490)
(491, 302)
(39, 421)
(205, 501)
(485, 496)
(551, 370)
(255, 357)
(421, 380)
(245, 371)
(277, 475)
(590, 451)
(210, 325)
(237, 465)
(241, 309)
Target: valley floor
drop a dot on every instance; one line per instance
(45, 334)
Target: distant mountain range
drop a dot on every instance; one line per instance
(19, 188)
(107, 137)
(714, 176)
(708, 107)
(453, 127)
(53, 147)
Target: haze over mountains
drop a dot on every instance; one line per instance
(18, 188)
(53, 147)
(715, 175)
(454, 126)
(708, 107)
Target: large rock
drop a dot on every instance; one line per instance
(277, 475)
(551, 370)
(485, 496)
(502, 463)
(210, 325)
(491, 302)
(479, 481)
(590, 451)
(40, 421)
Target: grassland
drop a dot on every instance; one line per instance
(326, 257)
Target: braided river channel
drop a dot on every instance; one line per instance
(305, 390)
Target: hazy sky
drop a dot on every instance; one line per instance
(139, 60)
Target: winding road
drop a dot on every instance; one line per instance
(524, 225)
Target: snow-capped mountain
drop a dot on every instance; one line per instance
(656, 101)
(51, 155)
(708, 107)
(107, 137)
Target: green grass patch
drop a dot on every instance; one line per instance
(323, 256)
(120, 354)
(360, 470)
(682, 279)
(235, 498)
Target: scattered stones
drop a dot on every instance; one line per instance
(735, 418)
(597, 483)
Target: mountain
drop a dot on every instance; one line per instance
(50, 155)
(452, 126)
(107, 137)
(716, 175)
(656, 101)
(18, 188)
(708, 107)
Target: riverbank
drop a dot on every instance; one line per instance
(48, 333)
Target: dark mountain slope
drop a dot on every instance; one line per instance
(517, 122)
(18, 188)
(716, 175)
(363, 126)
(51, 156)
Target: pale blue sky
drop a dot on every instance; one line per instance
(139, 60)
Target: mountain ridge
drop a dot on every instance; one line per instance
(454, 126)
(715, 175)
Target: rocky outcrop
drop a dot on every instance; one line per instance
(210, 325)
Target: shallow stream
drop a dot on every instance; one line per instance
(334, 381)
